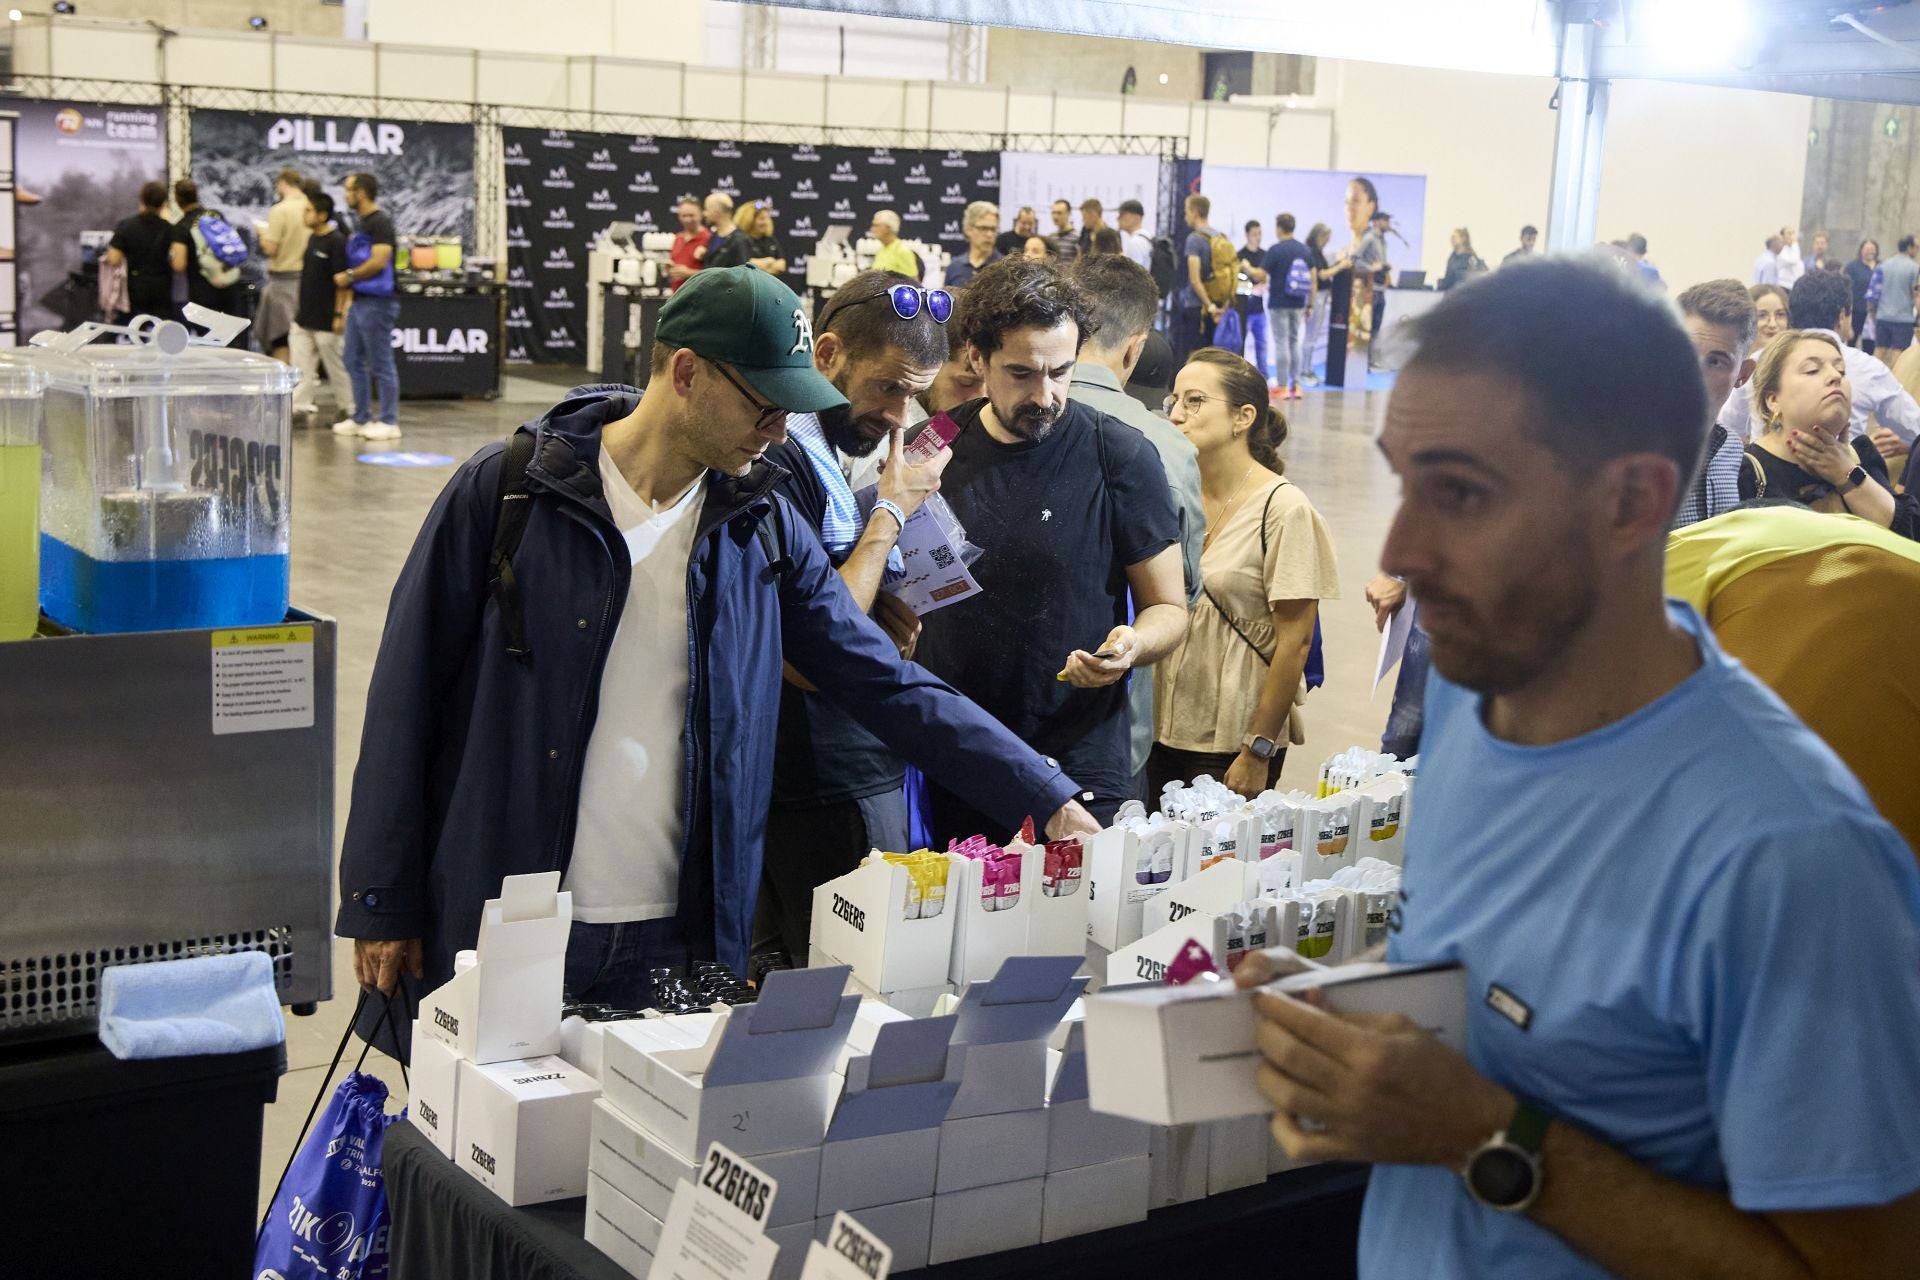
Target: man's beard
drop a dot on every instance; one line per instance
(1032, 422)
(1522, 633)
(850, 435)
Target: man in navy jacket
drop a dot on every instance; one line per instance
(618, 725)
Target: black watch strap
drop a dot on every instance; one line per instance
(1528, 1128)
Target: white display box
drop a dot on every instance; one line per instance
(1237, 1154)
(524, 1128)
(1055, 926)
(1147, 959)
(1208, 892)
(433, 1092)
(884, 1142)
(647, 1171)
(859, 920)
(1077, 1135)
(1095, 1197)
(1333, 834)
(1115, 895)
(983, 939)
(873, 1014)
(1173, 1055)
(1389, 804)
(906, 1228)
(793, 1239)
(976, 1151)
(760, 1083)
(968, 1224)
(507, 1006)
(914, 1002)
(621, 1229)
(1203, 844)
(1177, 1160)
(1005, 1023)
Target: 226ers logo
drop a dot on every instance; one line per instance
(802, 333)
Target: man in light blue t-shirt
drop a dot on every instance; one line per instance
(1692, 948)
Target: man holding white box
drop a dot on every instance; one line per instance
(1672, 903)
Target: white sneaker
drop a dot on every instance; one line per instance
(380, 431)
(348, 427)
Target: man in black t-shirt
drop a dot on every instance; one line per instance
(321, 317)
(141, 244)
(185, 255)
(1074, 513)
(370, 319)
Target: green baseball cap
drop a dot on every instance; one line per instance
(743, 317)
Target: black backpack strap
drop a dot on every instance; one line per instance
(509, 524)
(772, 532)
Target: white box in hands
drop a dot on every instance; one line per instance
(524, 1128)
(762, 1080)
(621, 1229)
(433, 1092)
(991, 1219)
(646, 1170)
(1077, 1135)
(507, 1005)
(1116, 861)
(883, 1146)
(860, 920)
(1095, 1197)
(1173, 1055)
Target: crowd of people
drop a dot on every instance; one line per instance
(326, 302)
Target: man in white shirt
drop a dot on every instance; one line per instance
(1766, 267)
(1133, 242)
(1792, 267)
(1823, 300)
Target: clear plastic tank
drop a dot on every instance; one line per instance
(166, 499)
(20, 411)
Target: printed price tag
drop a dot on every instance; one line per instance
(263, 679)
(716, 1228)
(850, 1253)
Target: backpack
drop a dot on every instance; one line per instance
(1166, 268)
(219, 249)
(1225, 280)
(1299, 281)
(511, 509)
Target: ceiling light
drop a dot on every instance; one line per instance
(257, 22)
(65, 6)
(13, 15)
(1163, 77)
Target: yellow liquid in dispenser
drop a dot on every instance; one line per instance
(19, 541)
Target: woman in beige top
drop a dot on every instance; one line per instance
(1222, 699)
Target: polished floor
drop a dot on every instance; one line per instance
(354, 522)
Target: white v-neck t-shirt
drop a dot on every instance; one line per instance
(626, 844)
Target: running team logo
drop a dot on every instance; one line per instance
(766, 171)
(804, 190)
(517, 197)
(881, 193)
(559, 300)
(806, 153)
(643, 184)
(69, 120)
(726, 184)
(990, 176)
(842, 209)
(560, 340)
(954, 194)
(917, 212)
(643, 145)
(557, 140)
(683, 166)
(601, 202)
(558, 220)
(517, 318)
(954, 160)
(602, 162)
(951, 231)
(917, 176)
(517, 237)
(557, 180)
(516, 155)
(800, 227)
(726, 151)
(882, 155)
(517, 276)
(843, 172)
(558, 259)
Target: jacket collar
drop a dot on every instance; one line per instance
(1087, 373)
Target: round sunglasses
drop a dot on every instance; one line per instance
(908, 300)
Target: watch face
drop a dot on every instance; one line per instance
(1501, 1175)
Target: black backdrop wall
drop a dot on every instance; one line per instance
(564, 187)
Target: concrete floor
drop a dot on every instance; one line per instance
(353, 525)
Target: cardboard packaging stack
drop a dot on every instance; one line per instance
(488, 1088)
(1098, 1165)
(758, 1078)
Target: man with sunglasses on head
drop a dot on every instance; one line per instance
(599, 702)
(838, 791)
(1074, 512)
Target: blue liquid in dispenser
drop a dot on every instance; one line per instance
(106, 596)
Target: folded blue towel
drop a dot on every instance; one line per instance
(177, 1008)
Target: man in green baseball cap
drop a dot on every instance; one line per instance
(582, 669)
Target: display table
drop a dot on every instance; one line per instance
(624, 309)
(447, 341)
(446, 1226)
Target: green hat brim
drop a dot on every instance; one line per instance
(797, 390)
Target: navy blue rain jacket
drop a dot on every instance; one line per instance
(470, 760)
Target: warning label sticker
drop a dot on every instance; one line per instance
(262, 679)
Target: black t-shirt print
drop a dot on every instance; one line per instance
(1059, 522)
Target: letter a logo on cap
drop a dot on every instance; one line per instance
(802, 332)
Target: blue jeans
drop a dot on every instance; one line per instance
(369, 357)
(1408, 716)
(1288, 360)
(609, 963)
(1257, 332)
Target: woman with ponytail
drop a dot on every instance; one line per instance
(1223, 699)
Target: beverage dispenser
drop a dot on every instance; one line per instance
(166, 499)
(20, 413)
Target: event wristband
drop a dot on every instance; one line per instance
(892, 509)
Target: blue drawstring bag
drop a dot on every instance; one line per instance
(1227, 332)
(329, 1220)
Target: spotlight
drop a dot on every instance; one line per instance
(1163, 77)
(66, 7)
(13, 15)
(257, 22)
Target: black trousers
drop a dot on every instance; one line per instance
(1170, 764)
(806, 848)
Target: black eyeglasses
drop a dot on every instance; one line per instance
(769, 413)
(907, 301)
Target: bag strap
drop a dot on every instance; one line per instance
(1759, 476)
(772, 533)
(513, 506)
(339, 1052)
(1222, 611)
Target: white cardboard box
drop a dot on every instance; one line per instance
(647, 1171)
(1077, 1135)
(1208, 892)
(907, 1229)
(524, 1128)
(1115, 894)
(993, 1219)
(1172, 1055)
(1237, 1154)
(621, 1229)
(793, 1239)
(915, 1002)
(1005, 1023)
(873, 1014)
(1177, 1162)
(983, 939)
(977, 1151)
(433, 1092)
(1204, 844)
(1057, 926)
(1095, 1197)
(1147, 959)
(762, 1080)
(507, 1006)
(884, 1142)
(583, 1044)
(859, 920)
